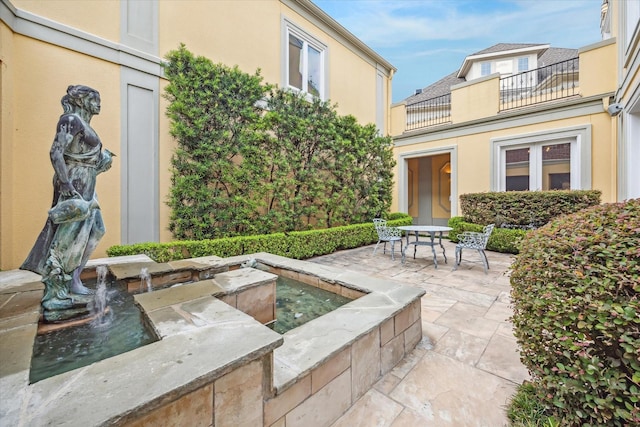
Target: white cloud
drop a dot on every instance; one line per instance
(385, 24)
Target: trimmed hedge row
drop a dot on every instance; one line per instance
(503, 240)
(296, 244)
(524, 208)
(575, 292)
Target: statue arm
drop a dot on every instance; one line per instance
(61, 141)
(106, 159)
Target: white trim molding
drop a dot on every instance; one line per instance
(57, 34)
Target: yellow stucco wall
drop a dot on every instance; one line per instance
(228, 32)
(474, 154)
(470, 101)
(98, 17)
(597, 68)
(167, 146)
(6, 147)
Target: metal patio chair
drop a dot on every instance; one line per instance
(474, 240)
(387, 234)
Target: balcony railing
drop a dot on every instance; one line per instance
(429, 112)
(555, 81)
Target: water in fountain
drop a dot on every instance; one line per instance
(121, 330)
(297, 303)
(101, 315)
(145, 280)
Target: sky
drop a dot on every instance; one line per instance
(429, 39)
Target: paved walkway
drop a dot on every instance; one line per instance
(466, 367)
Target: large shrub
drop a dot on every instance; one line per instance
(215, 120)
(253, 159)
(575, 288)
(524, 208)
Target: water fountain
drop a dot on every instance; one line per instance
(100, 314)
(214, 352)
(145, 280)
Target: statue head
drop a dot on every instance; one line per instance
(81, 98)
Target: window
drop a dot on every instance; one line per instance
(553, 172)
(523, 64)
(305, 63)
(558, 159)
(485, 68)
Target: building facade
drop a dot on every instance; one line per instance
(116, 47)
(513, 117)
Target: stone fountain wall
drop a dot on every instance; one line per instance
(215, 364)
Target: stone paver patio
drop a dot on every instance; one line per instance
(466, 367)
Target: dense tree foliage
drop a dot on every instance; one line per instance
(255, 159)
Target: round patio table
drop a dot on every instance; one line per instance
(432, 230)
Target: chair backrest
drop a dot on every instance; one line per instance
(385, 232)
(486, 233)
(380, 224)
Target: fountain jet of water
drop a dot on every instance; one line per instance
(101, 298)
(145, 280)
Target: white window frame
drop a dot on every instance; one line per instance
(289, 28)
(484, 64)
(580, 163)
(523, 59)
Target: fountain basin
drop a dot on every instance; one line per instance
(212, 358)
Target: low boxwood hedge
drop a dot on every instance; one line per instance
(575, 292)
(297, 244)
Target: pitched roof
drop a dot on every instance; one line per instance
(551, 55)
(441, 87)
(500, 47)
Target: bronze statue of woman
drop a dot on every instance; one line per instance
(74, 226)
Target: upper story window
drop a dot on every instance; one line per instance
(305, 63)
(485, 68)
(523, 64)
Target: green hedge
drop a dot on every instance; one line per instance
(524, 208)
(296, 244)
(503, 240)
(575, 293)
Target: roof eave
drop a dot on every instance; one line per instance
(464, 69)
(329, 21)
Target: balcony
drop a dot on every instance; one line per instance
(487, 97)
(555, 81)
(429, 112)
